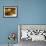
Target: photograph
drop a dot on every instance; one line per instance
(10, 11)
(32, 32)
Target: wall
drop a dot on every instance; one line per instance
(32, 11)
(29, 12)
(7, 25)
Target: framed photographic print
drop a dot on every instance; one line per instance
(10, 11)
(33, 32)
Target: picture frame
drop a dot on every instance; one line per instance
(37, 29)
(9, 11)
